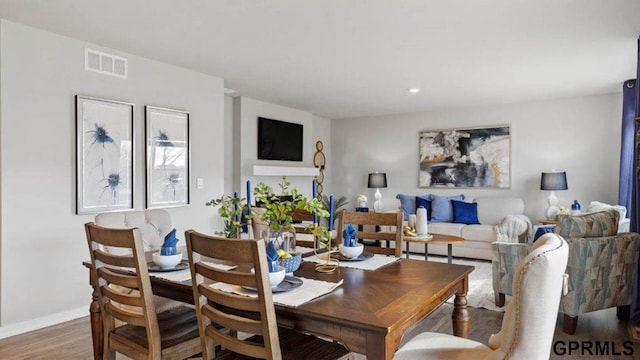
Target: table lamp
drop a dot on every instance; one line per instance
(377, 180)
(553, 180)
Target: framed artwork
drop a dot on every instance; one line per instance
(104, 155)
(470, 158)
(168, 157)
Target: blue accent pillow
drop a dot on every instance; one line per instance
(407, 204)
(543, 230)
(426, 202)
(464, 212)
(441, 208)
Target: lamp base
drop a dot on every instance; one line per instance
(552, 210)
(378, 205)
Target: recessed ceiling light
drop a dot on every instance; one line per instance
(413, 90)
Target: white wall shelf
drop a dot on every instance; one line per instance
(262, 170)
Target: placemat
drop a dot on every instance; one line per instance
(309, 290)
(376, 262)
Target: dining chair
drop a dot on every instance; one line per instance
(529, 320)
(388, 228)
(302, 219)
(154, 225)
(254, 317)
(141, 333)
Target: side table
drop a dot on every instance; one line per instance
(548, 221)
(449, 240)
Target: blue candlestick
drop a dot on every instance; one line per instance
(235, 196)
(313, 192)
(331, 212)
(248, 193)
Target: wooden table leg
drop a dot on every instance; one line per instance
(407, 246)
(450, 253)
(460, 317)
(426, 252)
(95, 315)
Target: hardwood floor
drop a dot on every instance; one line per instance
(72, 340)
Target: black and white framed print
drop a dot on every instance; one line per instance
(104, 155)
(167, 156)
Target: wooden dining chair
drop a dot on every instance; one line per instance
(141, 333)
(299, 216)
(253, 316)
(388, 228)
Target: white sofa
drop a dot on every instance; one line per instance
(478, 238)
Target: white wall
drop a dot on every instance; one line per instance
(42, 241)
(246, 113)
(578, 135)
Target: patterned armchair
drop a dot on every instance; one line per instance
(602, 265)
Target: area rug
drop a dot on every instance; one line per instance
(480, 283)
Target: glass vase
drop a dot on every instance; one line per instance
(284, 239)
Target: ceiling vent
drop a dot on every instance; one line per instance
(103, 63)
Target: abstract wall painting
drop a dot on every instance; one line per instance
(104, 155)
(168, 157)
(466, 158)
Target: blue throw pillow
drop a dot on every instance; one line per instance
(543, 230)
(441, 209)
(424, 201)
(464, 212)
(407, 204)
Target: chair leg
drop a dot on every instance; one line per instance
(499, 299)
(569, 324)
(623, 312)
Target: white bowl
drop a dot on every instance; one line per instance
(166, 261)
(277, 277)
(351, 251)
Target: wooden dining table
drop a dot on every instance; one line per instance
(369, 313)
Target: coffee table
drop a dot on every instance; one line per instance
(438, 239)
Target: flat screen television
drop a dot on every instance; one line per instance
(279, 140)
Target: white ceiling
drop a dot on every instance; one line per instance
(347, 58)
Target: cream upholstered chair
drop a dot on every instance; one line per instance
(154, 225)
(529, 321)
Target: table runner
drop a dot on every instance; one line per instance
(309, 290)
(376, 262)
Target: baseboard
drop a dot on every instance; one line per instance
(42, 322)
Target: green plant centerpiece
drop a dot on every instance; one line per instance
(230, 211)
(278, 208)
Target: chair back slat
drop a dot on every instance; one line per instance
(245, 325)
(392, 240)
(230, 342)
(125, 315)
(236, 301)
(226, 310)
(238, 278)
(128, 281)
(115, 260)
(116, 295)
